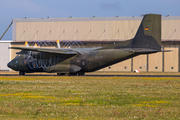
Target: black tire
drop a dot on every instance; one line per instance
(72, 74)
(81, 73)
(61, 74)
(21, 73)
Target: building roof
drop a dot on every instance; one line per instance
(5, 41)
(89, 19)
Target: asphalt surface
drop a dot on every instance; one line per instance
(99, 74)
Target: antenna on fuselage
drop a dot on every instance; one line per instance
(58, 44)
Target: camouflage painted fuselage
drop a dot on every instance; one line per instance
(88, 62)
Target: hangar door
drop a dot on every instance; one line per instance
(4, 55)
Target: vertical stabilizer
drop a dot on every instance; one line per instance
(149, 33)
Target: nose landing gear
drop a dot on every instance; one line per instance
(21, 73)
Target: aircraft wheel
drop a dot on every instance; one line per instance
(67, 74)
(81, 73)
(60, 74)
(72, 74)
(21, 73)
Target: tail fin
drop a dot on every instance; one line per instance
(149, 33)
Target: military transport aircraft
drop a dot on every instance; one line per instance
(77, 61)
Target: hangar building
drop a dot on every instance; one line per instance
(100, 32)
(5, 55)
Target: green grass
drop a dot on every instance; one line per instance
(54, 97)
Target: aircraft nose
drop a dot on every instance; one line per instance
(9, 64)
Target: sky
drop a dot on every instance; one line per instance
(10, 9)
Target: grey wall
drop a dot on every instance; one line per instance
(4, 55)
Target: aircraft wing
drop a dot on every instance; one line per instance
(49, 50)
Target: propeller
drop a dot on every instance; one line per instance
(58, 44)
(26, 44)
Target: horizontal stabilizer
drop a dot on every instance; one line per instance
(166, 50)
(140, 50)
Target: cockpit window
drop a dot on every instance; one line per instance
(17, 57)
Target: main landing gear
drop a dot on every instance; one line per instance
(81, 73)
(61, 74)
(21, 73)
(71, 74)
